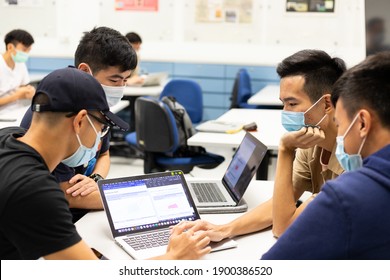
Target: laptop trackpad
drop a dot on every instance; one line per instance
(223, 245)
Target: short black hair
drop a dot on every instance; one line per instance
(134, 38)
(103, 47)
(366, 85)
(18, 36)
(319, 70)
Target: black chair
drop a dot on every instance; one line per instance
(157, 136)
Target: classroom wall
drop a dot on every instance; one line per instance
(172, 34)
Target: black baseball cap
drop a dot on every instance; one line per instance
(72, 90)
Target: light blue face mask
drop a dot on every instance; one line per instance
(20, 57)
(83, 154)
(294, 121)
(348, 162)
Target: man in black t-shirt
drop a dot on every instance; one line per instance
(107, 55)
(70, 115)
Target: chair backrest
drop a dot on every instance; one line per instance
(189, 94)
(155, 126)
(242, 89)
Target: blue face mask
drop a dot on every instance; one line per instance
(348, 162)
(83, 154)
(294, 121)
(20, 57)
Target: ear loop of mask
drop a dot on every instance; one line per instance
(349, 128)
(93, 127)
(311, 108)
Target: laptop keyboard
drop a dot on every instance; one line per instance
(208, 192)
(148, 240)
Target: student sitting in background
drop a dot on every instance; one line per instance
(306, 157)
(14, 77)
(70, 113)
(349, 219)
(106, 54)
(136, 42)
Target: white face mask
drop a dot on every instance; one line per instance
(113, 94)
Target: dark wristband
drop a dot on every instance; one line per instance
(96, 177)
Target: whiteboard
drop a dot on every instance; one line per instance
(38, 18)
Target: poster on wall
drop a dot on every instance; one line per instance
(136, 5)
(311, 6)
(219, 11)
(23, 3)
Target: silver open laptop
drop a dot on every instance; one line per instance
(154, 79)
(222, 196)
(140, 210)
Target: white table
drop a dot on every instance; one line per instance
(14, 116)
(94, 229)
(267, 96)
(143, 91)
(269, 129)
(131, 93)
(123, 104)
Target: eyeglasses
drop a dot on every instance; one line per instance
(106, 127)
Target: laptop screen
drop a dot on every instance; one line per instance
(244, 165)
(146, 202)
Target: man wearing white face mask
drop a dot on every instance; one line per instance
(349, 219)
(107, 55)
(14, 77)
(306, 157)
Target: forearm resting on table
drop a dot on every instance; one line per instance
(255, 220)
(90, 201)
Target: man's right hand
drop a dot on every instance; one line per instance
(304, 138)
(214, 232)
(187, 244)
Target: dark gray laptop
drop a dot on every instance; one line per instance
(141, 209)
(222, 196)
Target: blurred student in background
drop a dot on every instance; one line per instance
(136, 42)
(14, 76)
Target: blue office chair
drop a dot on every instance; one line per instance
(189, 94)
(242, 91)
(157, 136)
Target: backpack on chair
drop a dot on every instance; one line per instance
(184, 128)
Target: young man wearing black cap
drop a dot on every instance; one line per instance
(70, 114)
(106, 54)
